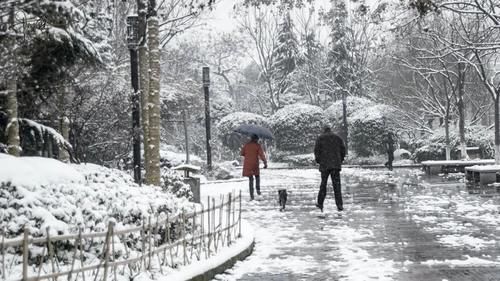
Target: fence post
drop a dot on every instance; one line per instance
(214, 234)
(106, 254)
(51, 251)
(209, 214)
(239, 218)
(202, 235)
(192, 235)
(143, 243)
(229, 219)
(25, 252)
(149, 242)
(183, 229)
(3, 253)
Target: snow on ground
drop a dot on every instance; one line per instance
(435, 206)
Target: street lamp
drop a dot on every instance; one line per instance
(206, 84)
(133, 37)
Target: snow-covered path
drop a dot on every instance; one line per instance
(395, 227)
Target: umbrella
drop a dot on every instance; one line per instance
(251, 129)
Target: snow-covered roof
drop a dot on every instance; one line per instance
(188, 167)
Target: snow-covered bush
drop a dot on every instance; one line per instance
(170, 157)
(433, 147)
(354, 104)
(300, 160)
(369, 127)
(227, 124)
(41, 192)
(221, 171)
(297, 126)
(375, 159)
(173, 183)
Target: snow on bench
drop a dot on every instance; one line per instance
(484, 175)
(432, 167)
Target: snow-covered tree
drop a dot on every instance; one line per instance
(478, 29)
(230, 122)
(297, 126)
(285, 56)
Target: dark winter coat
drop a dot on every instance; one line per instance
(329, 151)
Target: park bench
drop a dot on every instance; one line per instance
(483, 175)
(434, 167)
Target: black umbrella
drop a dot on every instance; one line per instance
(251, 129)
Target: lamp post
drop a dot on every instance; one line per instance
(206, 84)
(133, 43)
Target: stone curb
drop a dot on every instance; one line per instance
(210, 274)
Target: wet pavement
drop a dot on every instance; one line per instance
(396, 226)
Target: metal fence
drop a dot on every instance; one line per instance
(160, 244)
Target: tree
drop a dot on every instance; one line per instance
(482, 41)
(262, 28)
(13, 143)
(339, 57)
(285, 56)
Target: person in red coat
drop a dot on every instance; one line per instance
(252, 151)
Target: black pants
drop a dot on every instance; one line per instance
(390, 158)
(335, 175)
(257, 185)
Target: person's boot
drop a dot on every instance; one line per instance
(257, 184)
(250, 188)
(320, 207)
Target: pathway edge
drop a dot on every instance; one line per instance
(205, 270)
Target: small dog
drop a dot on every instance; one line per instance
(282, 199)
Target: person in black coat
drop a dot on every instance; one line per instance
(389, 147)
(329, 153)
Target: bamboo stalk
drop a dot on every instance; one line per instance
(239, 218)
(229, 219)
(41, 262)
(154, 244)
(127, 253)
(169, 243)
(183, 233)
(219, 232)
(214, 234)
(106, 253)
(192, 235)
(143, 246)
(202, 236)
(149, 242)
(113, 251)
(3, 253)
(81, 261)
(51, 251)
(209, 226)
(25, 252)
(77, 242)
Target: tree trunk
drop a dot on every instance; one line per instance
(63, 125)
(154, 99)
(144, 84)
(63, 152)
(447, 133)
(13, 141)
(497, 128)
(345, 131)
(461, 110)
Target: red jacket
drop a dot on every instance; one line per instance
(252, 151)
